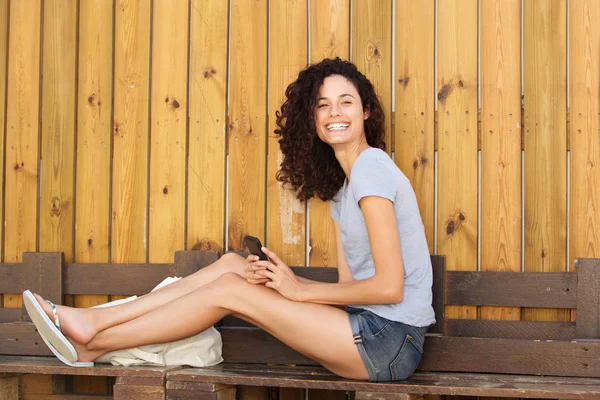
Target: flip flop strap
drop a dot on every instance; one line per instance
(54, 314)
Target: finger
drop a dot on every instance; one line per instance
(253, 267)
(274, 257)
(252, 258)
(267, 274)
(266, 265)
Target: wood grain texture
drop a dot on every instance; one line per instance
(545, 112)
(529, 289)
(129, 235)
(9, 387)
(457, 139)
(286, 217)
(93, 157)
(585, 128)
(420, 382)
(510, 329)
(57, 197)
(94, 108)
(168, 141)
(207, 125)
(247, 138)
(500, 143)
(588, 298)
(414, 88)
(22, 134)
(372, 51)
(329, 38)
(4, 18)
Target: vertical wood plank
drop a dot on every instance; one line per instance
(585, 128)
(286, 217)
(286, 233)
(4, 18)
(22, 133)
(92, 186)
(372, 51)
(329, 38)
(207, 146)
(94, 106)
(130, 131)
(168, 130)
(501, 143)
(247, 121)
(9, 387)
(414, 85)
(545, 142)
(457, 139)
(57, 208)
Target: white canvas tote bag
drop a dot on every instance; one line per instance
(201, 350)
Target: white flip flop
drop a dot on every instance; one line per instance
(50, 333)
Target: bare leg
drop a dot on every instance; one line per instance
(319, 331)
(81, 325)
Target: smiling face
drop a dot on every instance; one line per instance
(339, 115)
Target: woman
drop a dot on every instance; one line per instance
(332, 129)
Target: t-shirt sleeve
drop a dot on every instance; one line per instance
(334, 209)
(372, 178)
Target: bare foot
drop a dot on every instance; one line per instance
(75, 323)
(83, 354)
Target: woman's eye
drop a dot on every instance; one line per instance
(322, 105)
(347, 102)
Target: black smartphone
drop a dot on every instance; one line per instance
(254, 246)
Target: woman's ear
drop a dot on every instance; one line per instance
(366, 114)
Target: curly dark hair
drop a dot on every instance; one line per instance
(309, 165)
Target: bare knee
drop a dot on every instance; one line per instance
(226, 288)
(233, 262)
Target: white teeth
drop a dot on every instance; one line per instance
(337, 126)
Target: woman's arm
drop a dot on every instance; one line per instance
(385, 287)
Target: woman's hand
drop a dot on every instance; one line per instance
(251, 269)
(280, 276)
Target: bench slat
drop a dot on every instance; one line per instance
(52, 366)
(421, 382)
(510, 329)
(512, 289)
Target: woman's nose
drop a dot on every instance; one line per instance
(335, 110)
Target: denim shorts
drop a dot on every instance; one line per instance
(390, 350)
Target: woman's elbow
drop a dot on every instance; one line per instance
(394, 294)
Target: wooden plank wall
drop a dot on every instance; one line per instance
(134, 128)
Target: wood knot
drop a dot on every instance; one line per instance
(543, 254)
(19, 166)
(446, 90)
(91, 99)
(455, 224)
(209, 73)
(175, 104)
(450, 228)
(404, 81)
(165, 190)
(461, 83)
(166, 99)
(55, 206)
(89, 242)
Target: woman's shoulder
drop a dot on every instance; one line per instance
(376, 160)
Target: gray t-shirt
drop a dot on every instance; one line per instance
(375, 174)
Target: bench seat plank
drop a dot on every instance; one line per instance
(460, 384)
(53, 366)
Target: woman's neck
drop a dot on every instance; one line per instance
(348, 154)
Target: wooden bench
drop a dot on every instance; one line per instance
(462, 357)
(23, 352)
